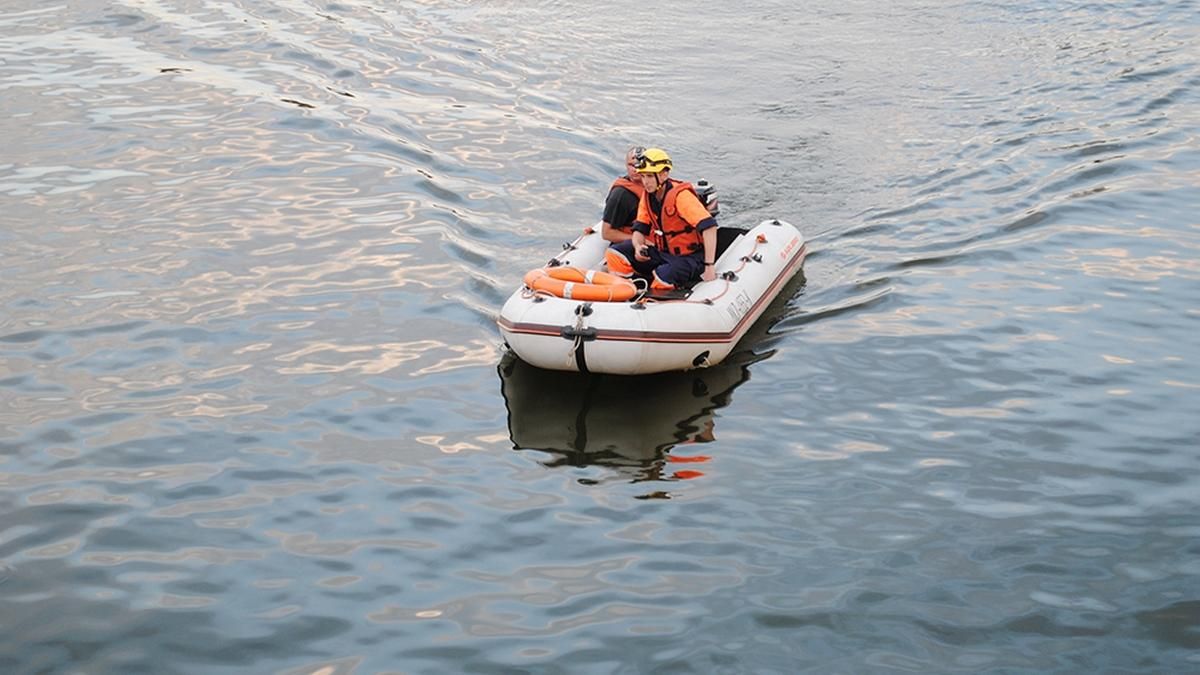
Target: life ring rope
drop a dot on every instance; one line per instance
(573, 283)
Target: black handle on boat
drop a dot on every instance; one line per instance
(571, 332)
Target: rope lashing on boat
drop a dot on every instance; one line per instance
(568, 247)
(558, 280)
(577, 344)
(536, 295)
(730, 276)
(576, 356)
(642, 286)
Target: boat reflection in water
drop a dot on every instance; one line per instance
(633, 425)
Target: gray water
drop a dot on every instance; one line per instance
(256, 416)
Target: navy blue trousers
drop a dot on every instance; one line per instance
(677, 270)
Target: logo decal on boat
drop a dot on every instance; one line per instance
(739, 305)
(788, 249)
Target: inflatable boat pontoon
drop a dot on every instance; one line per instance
(644, 333)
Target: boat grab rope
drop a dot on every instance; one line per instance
(570, 246)
(557, 269)
(728, 276)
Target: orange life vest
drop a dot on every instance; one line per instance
(634, 186)
(677, 233)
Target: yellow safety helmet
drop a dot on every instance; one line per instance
(652, 160)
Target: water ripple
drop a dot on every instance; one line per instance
(254, 413)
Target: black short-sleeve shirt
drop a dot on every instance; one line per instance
(620, 208)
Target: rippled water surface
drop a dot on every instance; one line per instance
(256, 416)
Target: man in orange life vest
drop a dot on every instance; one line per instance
(674, 239)
(620, 208)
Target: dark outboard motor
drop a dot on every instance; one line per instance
(708, 196)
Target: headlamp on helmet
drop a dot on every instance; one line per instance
(652, 160)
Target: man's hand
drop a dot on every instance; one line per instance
(641, 252)
(709, 273)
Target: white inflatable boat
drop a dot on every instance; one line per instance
(648, 334)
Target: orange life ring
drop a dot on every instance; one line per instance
(576, 284)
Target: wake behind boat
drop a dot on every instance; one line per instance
(548, 324)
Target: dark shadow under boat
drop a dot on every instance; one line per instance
(628, 424)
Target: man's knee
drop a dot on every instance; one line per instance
(618, 262)
(659, 284)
